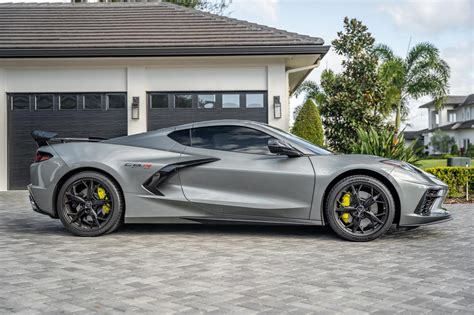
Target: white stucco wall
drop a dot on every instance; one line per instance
(136, 77)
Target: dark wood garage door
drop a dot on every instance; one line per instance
(69, 115)
(167, 109)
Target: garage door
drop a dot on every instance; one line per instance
(166, 109)
(68, 114)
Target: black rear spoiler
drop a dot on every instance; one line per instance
(43, 138)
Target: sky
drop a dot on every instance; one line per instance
(448, 24)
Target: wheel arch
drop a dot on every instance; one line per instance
(365, 172)
(71, 173)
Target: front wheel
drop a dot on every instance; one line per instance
(90, 204)
(360, 208)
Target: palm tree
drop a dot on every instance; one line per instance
(421, 73)
(312, 91)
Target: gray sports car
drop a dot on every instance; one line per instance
(226, 171)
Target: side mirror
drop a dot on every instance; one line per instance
(282, 148)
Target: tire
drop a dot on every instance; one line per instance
(81, 222)
(360, 188)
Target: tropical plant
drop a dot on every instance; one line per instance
(353, 98)
(379, 142)
(308, 124)
(421, 73)
(441, 142)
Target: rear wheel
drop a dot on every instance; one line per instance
(90, 204)
(360, 208)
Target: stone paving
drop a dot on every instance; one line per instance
(231, 269)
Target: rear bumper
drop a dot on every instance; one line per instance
(39, 196)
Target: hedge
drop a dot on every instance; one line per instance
(455, 177)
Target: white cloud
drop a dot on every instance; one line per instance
(461, 61)
(430, 16)
(268, 9)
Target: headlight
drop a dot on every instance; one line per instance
(400, 164)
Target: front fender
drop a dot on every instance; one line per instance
(330, 169)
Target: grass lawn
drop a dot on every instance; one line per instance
(423, 164)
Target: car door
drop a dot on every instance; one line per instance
(245, 179)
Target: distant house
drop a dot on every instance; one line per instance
(455, 118)
(412, 136)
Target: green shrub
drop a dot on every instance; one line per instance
(455, 177)
(381, 143)
(470, 150)
(308, 124)
(455, 150)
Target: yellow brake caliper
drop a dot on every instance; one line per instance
(346, 202)
(103, 195)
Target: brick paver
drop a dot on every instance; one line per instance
(231, 269)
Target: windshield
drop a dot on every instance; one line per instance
(299, 141)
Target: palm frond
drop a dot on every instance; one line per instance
(383, 52)
(421, 51)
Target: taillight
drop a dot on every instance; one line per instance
(42, 156)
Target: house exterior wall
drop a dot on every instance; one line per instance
(137, 76)
(458, 135)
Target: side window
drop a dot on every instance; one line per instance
(181, 136)
(231, 138)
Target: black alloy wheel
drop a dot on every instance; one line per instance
(90, 204)
(360, 208)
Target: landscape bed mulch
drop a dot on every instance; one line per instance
(459, 200)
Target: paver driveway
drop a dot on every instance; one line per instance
(231, 269)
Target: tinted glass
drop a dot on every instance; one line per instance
(20, 102)
(159, 101)
(207, 101)
(181, 136)
(183, 101)
(254, 100)
(117, 101)
(230, 100)
(231, 138)
(44, 102)
(67, 102)
(92, 101)
(297, 140)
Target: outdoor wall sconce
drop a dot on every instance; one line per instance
(135, 107)
(276, 107)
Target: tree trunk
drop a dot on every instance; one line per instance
(397, 122)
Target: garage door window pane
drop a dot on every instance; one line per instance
(20, 102)
(44, 102)
(254, 100)
(67, 102)
(231, 138)
(93, 101)
(183, 101)
(230, 100)
(206, 101)
(159, 101)
(116, 101)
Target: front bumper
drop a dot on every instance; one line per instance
(429, 209)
